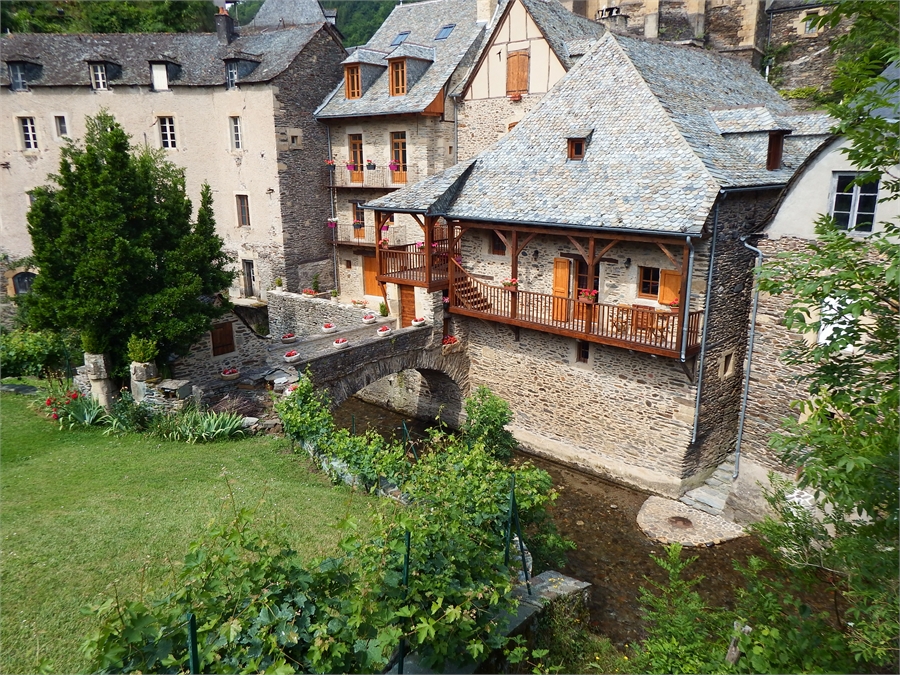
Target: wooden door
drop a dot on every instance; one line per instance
(356, 157)
(407, 305)
(669, 286)
(398, 156)
(561, 276)
(370, 274)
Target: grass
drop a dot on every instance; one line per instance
(86, 515)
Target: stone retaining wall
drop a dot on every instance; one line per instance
(304, 315)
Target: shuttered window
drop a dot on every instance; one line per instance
(352, 82)
(517, 73)
(222, 335)
(398, 77)
(669, 286)
(561, 274)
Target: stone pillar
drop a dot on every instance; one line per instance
(102, 388)
(696, 13)
(141, 374)
(651, 19)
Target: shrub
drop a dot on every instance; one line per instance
(383, 309)
(26, 353)
(128, 416)
(193, 425)
(142, 350)
(71, 409)
(486, 418)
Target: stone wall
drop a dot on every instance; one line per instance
(304, 315)
(482, 122)
(802, 59)
(302, 145)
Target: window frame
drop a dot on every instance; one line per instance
(400, 39)
(99, 77)
(397, 77)
(651, 281)
(159, 76)
(582, 352)
(572, 150)
(22, 281)
(62, 130)
(448, 28)
(236, 132)
(242, 208)
(852, 226)
(231, 75)
(167, 136)
(352, 82)
(218, 346)
(28, 133)
(17, 79)
(494, 240)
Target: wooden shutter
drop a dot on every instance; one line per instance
(222, 338)
(561, 275)
(517, 73)
(669, 286)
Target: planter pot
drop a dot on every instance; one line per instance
(374, 319)
(418, 323)
(351, 167)
(383, 333)
(293, 359)
(341, 345)
(233, 376)
(334, 300)
(370, 167)
(329, 330)
(288, 341)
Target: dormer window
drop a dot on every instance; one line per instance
(398, 77)
(400, 38)
(444, 33)
(231, 74)
(159, 76)
(99, 80)
(17, 80)
(576, 148)
(352, 88)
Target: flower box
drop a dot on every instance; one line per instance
(394, 166)
(369, 318)
(370, 166)
(230, 374)
(351, 167)
(292, 356)
(383, 331)
(418, 322)
(328, 328)
(359, 303)
(341, 343)
(288, 338)
(308, 291)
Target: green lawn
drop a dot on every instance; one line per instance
(85, 514)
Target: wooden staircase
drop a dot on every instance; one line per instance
(470, 297)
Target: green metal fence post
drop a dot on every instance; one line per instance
(192, 644)
(402, 649)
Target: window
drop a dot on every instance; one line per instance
(398, 77)
(98, 76)
(648, 284)
(498, 247)
(576, 149)
(231, 74)
(809, 26)
(29, 135)
(62, 128)
(222, 337)
(853, 207)
(355, 145)
(167, 132)
(400, 38)
(359, 215)
(17, 77)
(776, 150)
(581, 277)
(243, 210)
(726, 365)
(444, 33)
(582, 351)
(517, 73)
(398, 156)
(351, 82)
(22, 282)
(160, 76)
(237, 141)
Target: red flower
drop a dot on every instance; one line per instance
(49, 401)
(54, 416)
(74, 395)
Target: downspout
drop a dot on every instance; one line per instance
(709, 294)
(687, 300)
(332, 198)
(740, 433)
(455, 100)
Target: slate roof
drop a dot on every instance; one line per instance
(559, 26)
(286, 13)
(64, 57)
(655, 161)
(786, 5)
(423, 20)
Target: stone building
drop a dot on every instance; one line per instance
(592, 259)
(390, 123)
(234, 110)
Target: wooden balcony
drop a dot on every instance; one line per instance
(348, 235)
(380, 177)
(412, 265)
(628, 326)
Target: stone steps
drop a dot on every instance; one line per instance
(712, 495)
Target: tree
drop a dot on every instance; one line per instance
(107, 16)
(117, 252)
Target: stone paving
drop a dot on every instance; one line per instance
(668, 521)
(712, 495)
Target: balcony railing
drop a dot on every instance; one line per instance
(358, 236)
(379, 177)
(629, 326)
(409, 264)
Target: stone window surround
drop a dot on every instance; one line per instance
(726, 364)
(28, 140)
(578, 361)
(800, 24)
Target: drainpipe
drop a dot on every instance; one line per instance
(709, 278)
(687, 300)
(331, 199)
(455, 129)
(740, 434)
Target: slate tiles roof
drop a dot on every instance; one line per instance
(423, 20)
(64, 57)
(559, 26)
(655, 160)
(286, 13)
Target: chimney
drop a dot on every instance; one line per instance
(613, 19)
(224, 26)
(776, 150)
(485, 10)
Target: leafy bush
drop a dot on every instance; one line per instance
(486, 418)
(26, 353)
(127, 416)
(383, 309)
(142, 350)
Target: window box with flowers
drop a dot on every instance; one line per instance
(359, 224)
(351, 167)
(673, 306)
(292, 356)
(370, 165)
(332, 222)
(230, 374)
(308, 291)
(450, 344)
(330, 164)
(288, 338)
(328, 327)
(510, 284)
(587, 295)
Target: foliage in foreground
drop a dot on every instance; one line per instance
(25, 353)
(486, 418)
(107, 16)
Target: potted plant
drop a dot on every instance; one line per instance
(230, 374)
(330, 164)
(351, 167)
(328, 327)
(383, 331)
(418, 321)
(308, 291)
(511, 284)
(334, 295)
(288, 338)
(341, 343)
(587, 295)
(450, 344)
(370, 165)
(332, 222)
(359, 224)
(674, 306)
(368, 317)
(292, 356)
(394, 166)
(359, 303)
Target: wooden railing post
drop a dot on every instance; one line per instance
(429, 249)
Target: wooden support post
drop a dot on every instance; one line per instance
(429, 249)
(684, 296)
(514, 273)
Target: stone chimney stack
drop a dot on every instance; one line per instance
(485, 10)
(613, 19)
(224, 26)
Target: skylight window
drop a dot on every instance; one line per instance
(445, 31)
(400, 38)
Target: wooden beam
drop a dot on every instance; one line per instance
(672, 258)
(563, 231)
(590, 264)
(502, 237)
(429, 253)
(587, 260)
(684, 296)
(416, 218)
(605, 250)
(525, 243)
